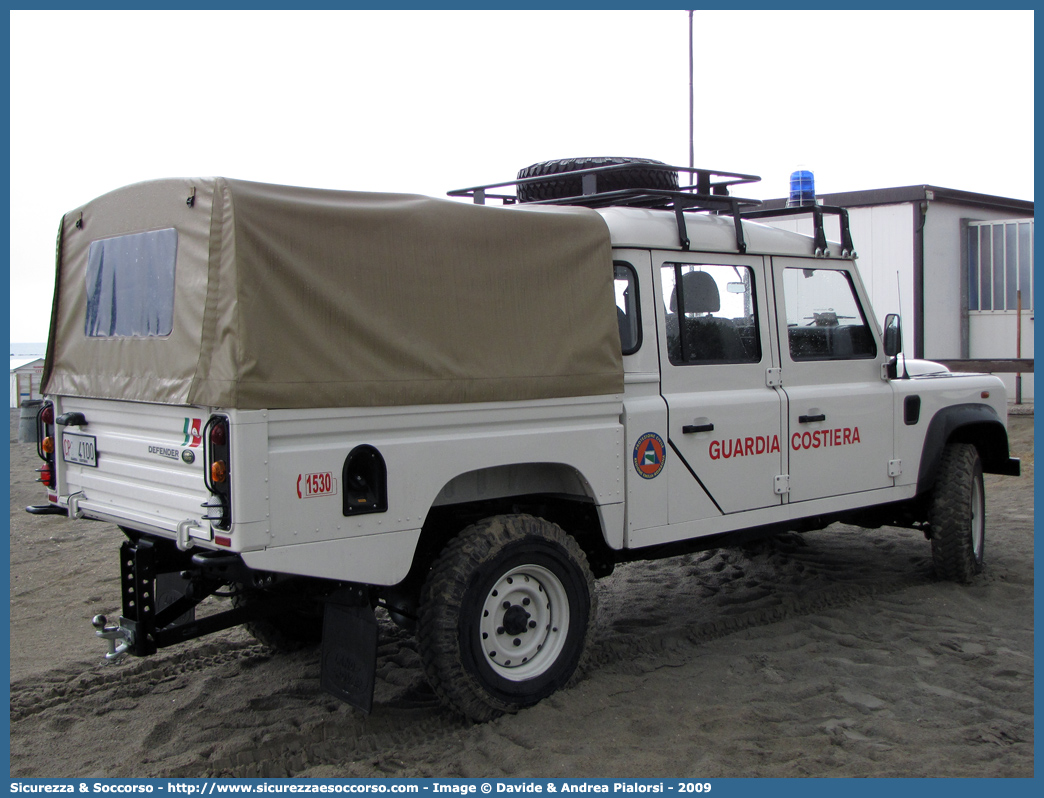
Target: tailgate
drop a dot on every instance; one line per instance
(138, 465)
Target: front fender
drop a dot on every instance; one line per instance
(978, 424)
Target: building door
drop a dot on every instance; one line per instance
(1000, 282)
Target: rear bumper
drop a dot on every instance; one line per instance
(46, 509)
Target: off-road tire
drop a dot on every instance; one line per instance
(542, 574)
(572, 186)
(299, 626)
(958, 514)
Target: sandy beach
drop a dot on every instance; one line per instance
(835, 653)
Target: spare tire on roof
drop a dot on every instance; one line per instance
(638, 176)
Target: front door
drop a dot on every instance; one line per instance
(839, 416)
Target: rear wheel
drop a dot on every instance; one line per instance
(958, 514)
(295, 624)
(506, 615)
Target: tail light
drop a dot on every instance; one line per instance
(219, 434)
(216, 472)
(46, 475)
(45, 444)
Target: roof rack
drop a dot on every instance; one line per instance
(708, 192)
(817, 211)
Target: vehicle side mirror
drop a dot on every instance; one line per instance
(893, 335)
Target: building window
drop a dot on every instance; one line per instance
(1000, 264)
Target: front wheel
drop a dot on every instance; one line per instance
(506, 614)
(958, 514)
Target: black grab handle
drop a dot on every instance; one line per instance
(697, 428)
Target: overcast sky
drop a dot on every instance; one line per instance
(427, 101)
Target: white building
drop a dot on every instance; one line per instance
(25, 379)
(955, 264)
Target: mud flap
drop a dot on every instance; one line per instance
(349, 656)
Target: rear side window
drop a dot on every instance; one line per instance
(626, 282)
(130, 285)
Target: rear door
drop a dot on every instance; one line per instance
(716, 353)
(135, 464)
(838, 428)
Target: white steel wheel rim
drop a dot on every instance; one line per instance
(978, 522)
(524, 622)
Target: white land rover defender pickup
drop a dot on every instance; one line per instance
(321, 402)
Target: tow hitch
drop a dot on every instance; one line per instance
(111, 634)
(161, 588)
(162, 585)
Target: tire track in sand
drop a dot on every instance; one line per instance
(681, 603)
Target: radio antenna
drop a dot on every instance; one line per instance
(899, 300)
(899, 293)
(692, 159)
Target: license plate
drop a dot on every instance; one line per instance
(79, 449)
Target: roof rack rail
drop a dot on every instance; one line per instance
(709, 184)
(708, 192)
(817, 211)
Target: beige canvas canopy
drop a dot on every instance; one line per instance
(226, 293)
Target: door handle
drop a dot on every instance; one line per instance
(688, 428)
(811, 419)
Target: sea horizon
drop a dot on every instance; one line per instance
(30, 349)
